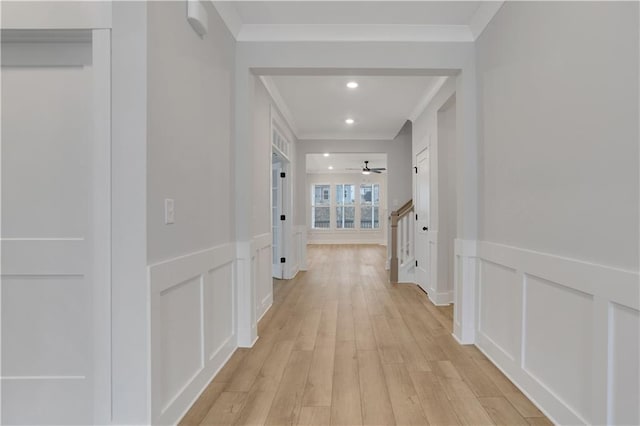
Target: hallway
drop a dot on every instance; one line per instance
(342, 346)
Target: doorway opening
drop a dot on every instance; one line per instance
(347, 198)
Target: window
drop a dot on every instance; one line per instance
(369, 206)
(345, 206)
(320, 207)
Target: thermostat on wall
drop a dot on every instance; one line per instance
(197, 17)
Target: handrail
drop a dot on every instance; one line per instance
(396, 217)
(406, 208)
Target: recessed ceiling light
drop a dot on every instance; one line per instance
(352, 85)
(326, 154)
(349, 121)
(330, 167)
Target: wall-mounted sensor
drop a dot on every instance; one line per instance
(197, 17)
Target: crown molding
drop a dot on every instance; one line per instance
(229, 15)
(273, 91)
(368, 32)
(427, 97)
(346, 136)
(483, 16)
(365, 32)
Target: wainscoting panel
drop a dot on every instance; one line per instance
(180, 323)
(624, 379)
(192, 327)
(500, 307)
(565, 331)
(261, 273)
(556, 346)
(219, 313)
(299, 251)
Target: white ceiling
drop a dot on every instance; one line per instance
(357, 20)
(317, 106)
(357, 12)
(318, 163)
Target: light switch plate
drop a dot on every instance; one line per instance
(169, 211)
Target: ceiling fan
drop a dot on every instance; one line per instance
(366, 170)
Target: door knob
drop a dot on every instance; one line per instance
(424, 228)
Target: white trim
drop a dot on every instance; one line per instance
(77, 15)
(441, 299)
(427, 97)
(600, 287)
(482, 17)
(192, 268)
(347, 241)
(246, 320)
(346, 136)
(284, 110)
(355, 32)
(101, 212)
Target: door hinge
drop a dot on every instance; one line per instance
(416, 217)
(416, 263)
(283, 175)
(415, 168)
(283, 259)
(283, 217)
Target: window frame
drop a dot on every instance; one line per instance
(343, 205)
(314, 205)
(370, 205)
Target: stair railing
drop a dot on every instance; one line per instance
(402, 223)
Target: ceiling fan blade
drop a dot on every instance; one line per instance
(351, 168)
(375, 171)
(377, 168)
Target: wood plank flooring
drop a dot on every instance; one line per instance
(342, 346)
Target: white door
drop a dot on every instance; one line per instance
(55, 227)
(277, 224)
(422, 200)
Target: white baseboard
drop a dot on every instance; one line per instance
(441, 299)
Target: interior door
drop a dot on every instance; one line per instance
(55, 226)
(422, 200)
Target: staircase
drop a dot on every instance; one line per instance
(402, 262)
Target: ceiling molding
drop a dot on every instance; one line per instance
(368, 32)
(483, 16)
(346, 136)
(365, 32)
(229, 15)
(273, 91)
(427, 97)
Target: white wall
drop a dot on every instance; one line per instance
(190, 157)
(347, 236)
(447, 196)
(558, 295)
(189, 137)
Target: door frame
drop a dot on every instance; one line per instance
(102, 239)
(289, 268)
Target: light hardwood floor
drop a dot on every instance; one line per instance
(340, 345)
